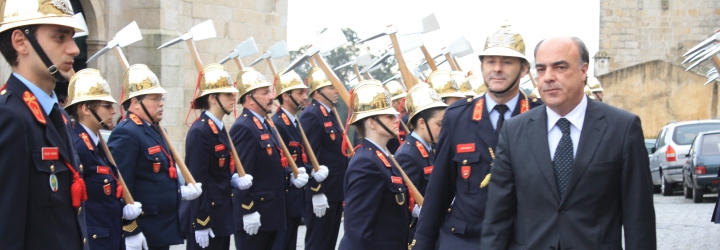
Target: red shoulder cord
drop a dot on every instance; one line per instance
(192, 103)
(171, 171)
(78, 191)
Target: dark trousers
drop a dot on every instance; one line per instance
(322, 232)
(261, 240)
(287, 239)
(452, 241)
(217, 243)
(159, 248)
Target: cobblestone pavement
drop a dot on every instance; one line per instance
(681, 224)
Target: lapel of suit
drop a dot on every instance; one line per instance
(593, 130)
(536, 132)
(483, 127)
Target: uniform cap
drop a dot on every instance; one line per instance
(88, 85)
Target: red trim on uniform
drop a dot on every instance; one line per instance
(34, 106)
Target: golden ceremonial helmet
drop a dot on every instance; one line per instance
(88, 85)
(248, 80)
(370, 98)
(17, 13)
(421, 97)
(215, 80)
(317, 79)
(287, 82)
(396, 90)
(504, 42)
(594, 85)
(465, 87)
(139, 80)
(589, 93)
(444, 84)
(476, 81)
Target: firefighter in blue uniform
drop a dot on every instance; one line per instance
(376, 198)
(260, 211)
(91, 106)
(147, 165)
(397, 96)
(39, 167)
(291, 94)
(210, 218)
(417, 155)
(455, 197)
(323, 199)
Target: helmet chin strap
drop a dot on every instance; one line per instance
(147, 113)
(52, 68)
(258, 103)
(326, 98)
(427, 127)
(102, 123)
(300, 107)
(220, 104)
(377, 119)
(517, 79)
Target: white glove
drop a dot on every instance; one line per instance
(190, 191)
(301, 179)
(416, 211)
(242, 183)
(201, 237)
(136, 242)
(320, 176)
(132, 211)
(320, 204)
(251, 223)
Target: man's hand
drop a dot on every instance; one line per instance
(190, 191)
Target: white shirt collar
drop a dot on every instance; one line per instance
(378, 146)
(327, 108)
(261, 118)
(93, 136)
(420, 139)
(576, 116)
(217, 121)
(289, 115)
(490, 103)
(45, 100)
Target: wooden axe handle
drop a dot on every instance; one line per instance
(285, 151)
(238, 165)
(308, 148)
(415, 193)
(126, 192)
(350, 147)
(194, 52)
(408, 78)
(342, 91)
(180, 162)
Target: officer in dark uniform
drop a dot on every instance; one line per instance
(416, 155)
(91, 106)
(323, 200)
(292, 96)
(208, 155)
(397, 96)
(260, 210)
(376, 198)
(147, 165)
(455, 197)
(39, 167)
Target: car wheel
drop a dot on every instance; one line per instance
(687, 191)
(698, 195)
(666, 188)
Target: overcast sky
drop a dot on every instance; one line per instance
(474, 19)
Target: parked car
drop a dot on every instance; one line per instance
(105, 134)
(701, 168)
(649, 145)
(673, 143)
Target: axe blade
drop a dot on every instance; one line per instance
(295, 63)
(377, 62)
(713, 52)
(202, 31)
(260, 59)
(173, 41)
(692, 56)
(330, 40)
(712, 78)
(98, 54)
(232, 55)
(350, 63)
(460, 47)
(247, 48)
(129, 35)
(278, 50)
(396, 76)
(430, 23)
(372, 37)
(703, 44)
(363, 60)
(409, 43)
(80, 19)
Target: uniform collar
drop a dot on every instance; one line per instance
(576, 116)
(45, 100)
(261, 118)
(378, 146)
(327, 108)
(289, 115)
(217, 121)
(93, 135)
(420, 139)
(490, 103)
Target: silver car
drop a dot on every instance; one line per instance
(668, 155)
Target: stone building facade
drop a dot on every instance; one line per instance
(163, 20)
(638, 62)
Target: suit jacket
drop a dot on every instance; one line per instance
(258, 149)
(294, 143)
(465, 151)
(33, 215)
(104, 205)
(325, 136)
(609, 188)
(208, 155)
(376, 212)
(144, 159)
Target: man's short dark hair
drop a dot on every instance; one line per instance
(244, 97)
(126, 104)
(6, 47)
(584, 54)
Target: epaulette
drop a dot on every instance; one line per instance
(135, 119)
(461, 103)
(4, 94)
(212, 126)
(86, 139)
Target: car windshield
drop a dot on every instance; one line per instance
(710, 145)
(685, 134)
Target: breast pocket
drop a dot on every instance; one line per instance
(51, 177)
(470, 171)
(157, 164)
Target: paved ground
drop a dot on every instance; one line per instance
(681, 224)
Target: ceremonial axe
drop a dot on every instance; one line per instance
(126, 36)
(276, 51)
(199, 32)
(362, 60)
(244, 49)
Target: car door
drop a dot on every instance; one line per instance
(658, 156)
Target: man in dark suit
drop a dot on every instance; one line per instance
(572, 174)
(147, 165)
(323, 199)
(455, 197)
(39, 167)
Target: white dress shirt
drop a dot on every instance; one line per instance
(576, 118)
(494, 114)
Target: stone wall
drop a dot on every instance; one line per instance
(659, 92)
(637, 31)
(162, 20)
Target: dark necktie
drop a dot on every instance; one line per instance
(563, 160)
(501, 108)
(57, 119)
